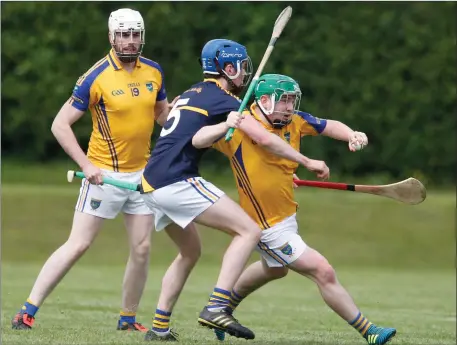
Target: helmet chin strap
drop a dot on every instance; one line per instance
(276, 124)
(237, 90)
(126, 58)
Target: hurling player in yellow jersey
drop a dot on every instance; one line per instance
(125, 94)
(269, 200)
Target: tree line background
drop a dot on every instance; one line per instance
(387, 69)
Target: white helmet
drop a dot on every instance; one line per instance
(126, 20)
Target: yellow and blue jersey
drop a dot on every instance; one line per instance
(122, 108)
(174, 158)
(264, 180)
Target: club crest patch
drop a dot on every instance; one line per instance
(287, 137)
(95, 203)
(149, 87)
(286, 249)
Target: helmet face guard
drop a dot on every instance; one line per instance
(241, 65)
(280, 89)
(128, 39)
(286, 115)
(126, 30)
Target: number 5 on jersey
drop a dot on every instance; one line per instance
(174, 114)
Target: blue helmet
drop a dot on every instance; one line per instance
(219, 52)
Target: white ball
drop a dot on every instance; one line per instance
(356, 145)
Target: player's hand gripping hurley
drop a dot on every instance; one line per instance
(107, 180)
(280, 24)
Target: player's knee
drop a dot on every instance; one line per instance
(191, 254)
(141, 250)
(249, 234)
(77, 248)
(253, 232)
(277, 272)
(191, 258)
(325, 273)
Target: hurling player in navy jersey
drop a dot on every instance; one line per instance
(173, 188)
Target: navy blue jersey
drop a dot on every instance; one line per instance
(174, 158)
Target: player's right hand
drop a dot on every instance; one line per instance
(319, 167)
(172, 104)
(93, 174)
(234, 119)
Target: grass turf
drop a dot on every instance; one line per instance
(396, 260)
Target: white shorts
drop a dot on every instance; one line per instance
(107, 201)
(181, 202)
(281, 244)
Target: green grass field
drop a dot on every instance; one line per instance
(398, 262)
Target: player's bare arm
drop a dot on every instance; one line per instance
(161, 109)
(279, 147)
(206, 136)
(340, 131)
(61, 128)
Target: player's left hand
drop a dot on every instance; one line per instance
(293, 183)
(357, 141)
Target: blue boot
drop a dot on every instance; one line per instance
(379, 335)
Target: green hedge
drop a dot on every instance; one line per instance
(387, 69)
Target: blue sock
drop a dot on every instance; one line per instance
(235, 300)
(218, 300)
(127, 317)
(361, 324)
(161, 321)
(29, 308)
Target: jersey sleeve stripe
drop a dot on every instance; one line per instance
(94, 71)
(318, 125)
(116, 68)
(247, 188)
(306, 128)
(195, 109)
(161, 94)
(151, 64)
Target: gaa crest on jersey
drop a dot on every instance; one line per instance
(149, 86)
(95, 203)
(287, 137)
(286, 249)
